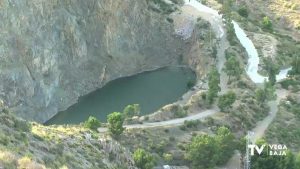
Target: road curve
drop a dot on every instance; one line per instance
(172, 122)
(175, 122)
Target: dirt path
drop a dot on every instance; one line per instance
(195, 10)
(234, 162)
(263, 125)
(171, 123)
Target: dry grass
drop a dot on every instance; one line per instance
(290, 9)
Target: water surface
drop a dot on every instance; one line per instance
(151, 90)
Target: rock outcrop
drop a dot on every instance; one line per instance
(54, 51)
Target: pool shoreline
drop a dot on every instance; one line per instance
(182, 68)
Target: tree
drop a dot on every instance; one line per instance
(260, 95)
(92, 123)
(115, 123)
(203, 151)
(230, 32)
(266, 93)
(213, 84)
(267, 23)
(207, 151)
(272, 70)
(143, 159)
(242, 145)
(232, 67)
(270, 91)
(132, 110)
(225, 140)
(225, 101)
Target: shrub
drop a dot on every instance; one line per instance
(203, 96)
(160, 147)
(26, 162)
(267, 23)
(4, 140)
(207, 151)
(171, 138)
(243, 11)
(22, 125)
(143, 159)
(168, 157)
(202, 152)
(132, 110)
(225, 101)
(115, 123)
(178, 111)
(191, 123)
(210, 121)
(213, 84)
(170, 20)
(92, 123)
(182, 127)
(190, 84)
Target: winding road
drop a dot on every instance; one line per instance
(170, 123)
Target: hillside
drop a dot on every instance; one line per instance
(34, 146)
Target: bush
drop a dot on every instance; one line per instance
(160, 147)
(171, 138)
(131, 110)
(4, 140)
(170, 20)
(143, 159)
(168, 157)
(202, 152)
(203, 96)
(178, 111)
(22, 125)
(26, 162)
(190, 84)
(213, 84)
(267, 23)
(225, 101)
(182, 127)
(115, 123)
(243, 11)
(92, 123)
(207, 151)
(191, 123)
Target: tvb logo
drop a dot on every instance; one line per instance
(258, 149)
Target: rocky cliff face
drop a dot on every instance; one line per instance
(53, 51)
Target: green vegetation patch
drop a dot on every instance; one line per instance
(161, 6)
(289, 117)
